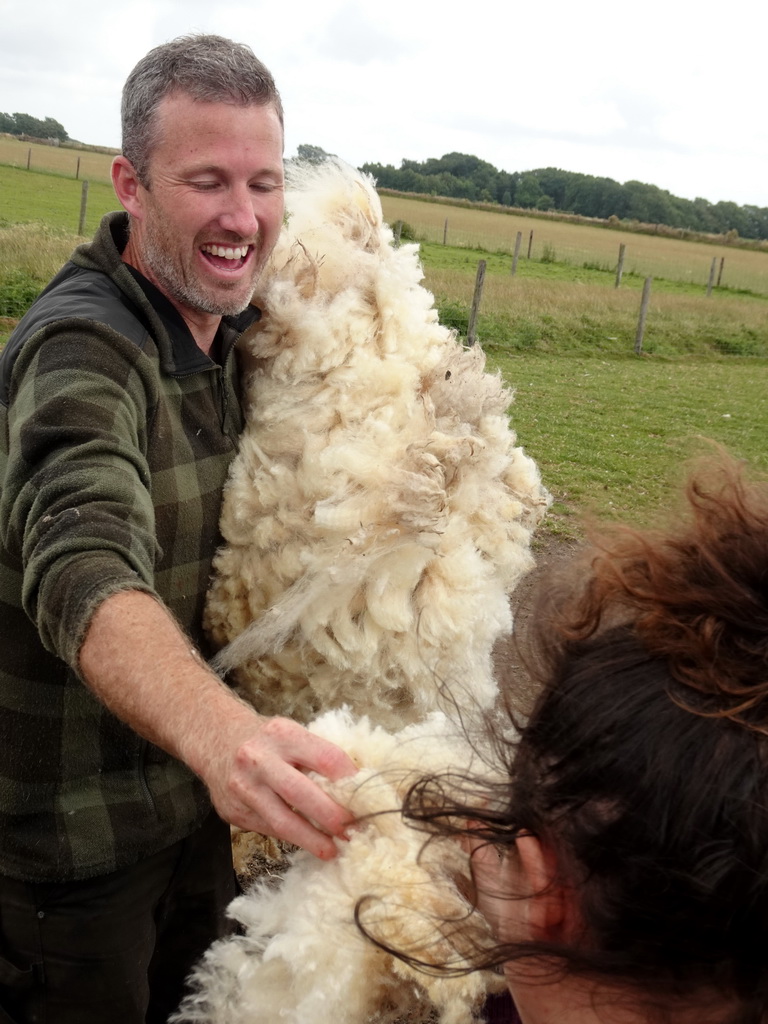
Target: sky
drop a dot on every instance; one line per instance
(666, 92)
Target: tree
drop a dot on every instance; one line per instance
(312, 154)
(528, 191)
(732, 218)
(704, 217)
(590, 196)
(649, 204)
(462, 176)
(553, 183)
(26, 124)
(54, 130)
(505, 187)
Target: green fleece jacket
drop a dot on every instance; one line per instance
(117, 435)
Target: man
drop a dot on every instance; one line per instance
(119, 399)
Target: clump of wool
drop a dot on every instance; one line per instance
(379, 512)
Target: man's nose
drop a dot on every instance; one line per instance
(239, 215)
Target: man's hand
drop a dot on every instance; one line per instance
(260, 783)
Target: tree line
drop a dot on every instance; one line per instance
(460, 176)
(25, 124)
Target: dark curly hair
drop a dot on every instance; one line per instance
(643, 762)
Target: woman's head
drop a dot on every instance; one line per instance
(642, 769)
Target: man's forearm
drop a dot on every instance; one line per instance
(138, 661)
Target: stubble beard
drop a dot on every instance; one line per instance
(169, 274)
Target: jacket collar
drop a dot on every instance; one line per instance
(179, 352)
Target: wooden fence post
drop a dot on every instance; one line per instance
(29, 157)
(720, 272)
(530, 244)
(397, 232)
(711, 276)
(620, 264)
(643, 312)
(83, 208)
(476, 302)
(445, 231)
(77, 172)
(518, 240)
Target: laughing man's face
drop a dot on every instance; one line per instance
(214, 206)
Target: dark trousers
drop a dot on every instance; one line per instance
(114, 949)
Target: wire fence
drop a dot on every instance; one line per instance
(643, 255)
(553, 241)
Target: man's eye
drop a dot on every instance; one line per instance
(205, 186)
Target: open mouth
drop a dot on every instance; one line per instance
(226, 257)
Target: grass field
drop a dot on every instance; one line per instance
(611, 435)
(86, 164)
(609, 429)
(557, 308)
(581, 244)
(28, 197)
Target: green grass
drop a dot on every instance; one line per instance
(6, 326)
(583, 244)
(611, 435)
(566, 314)
(610, 430)
(446, 257)
(30, 254)
(28, 197)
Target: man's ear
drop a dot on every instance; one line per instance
(127, 186)
(548, 904)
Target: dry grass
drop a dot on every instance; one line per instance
(34, 250)
(557, 315)
(30, 254)
(577, 244)
(526, 296)
(56, 159)
(648, 255)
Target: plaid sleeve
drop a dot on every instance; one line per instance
(76, 503)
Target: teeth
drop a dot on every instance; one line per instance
(226, 253)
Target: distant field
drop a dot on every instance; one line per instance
(56, 159)
(581, 244)
(28, 197)
(576, 244)
(609, 430)
(559, 309)
(546, 306)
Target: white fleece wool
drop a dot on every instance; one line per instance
(376, 520)
(379, 512)
(301, 958)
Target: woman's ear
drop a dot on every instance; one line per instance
(547, 905)
(126, 184)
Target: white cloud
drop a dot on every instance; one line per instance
(661, 93)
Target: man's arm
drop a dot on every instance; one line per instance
(138, 662)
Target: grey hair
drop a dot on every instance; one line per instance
(208, 68)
